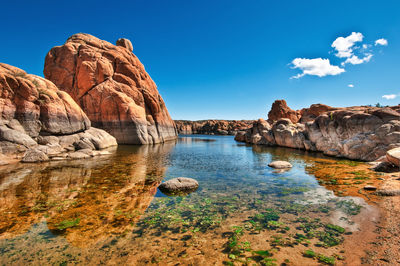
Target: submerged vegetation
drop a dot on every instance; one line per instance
(243, 212)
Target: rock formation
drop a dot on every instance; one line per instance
(38, 121)
(212, 127)
(280, 110)
(112, 87)
(360, 133)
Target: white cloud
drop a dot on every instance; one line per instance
(343, 45)
(317, 67)
(355, 60)
(350, 86)
(381, 41)
(389, 96)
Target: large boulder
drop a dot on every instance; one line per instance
(35, 116)
(31, 105)
(280, 110)
(112, 87)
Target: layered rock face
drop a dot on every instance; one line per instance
(112, 87)
(38, 121)
(212, 127)
(361, 133)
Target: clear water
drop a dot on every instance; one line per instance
(107, 210)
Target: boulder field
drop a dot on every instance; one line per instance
(359, 133)
(212, 127)
(39, 122)
(112, 87)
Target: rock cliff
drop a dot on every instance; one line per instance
(212, 127)
(39, 122)
(112, 87)
(360, 133)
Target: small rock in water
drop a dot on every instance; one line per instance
(386, 167)
(179, 186)
(368, 187)
(34, 155)
(280, 164)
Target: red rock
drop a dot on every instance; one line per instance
(125, 43)
(112, 87)
(280, 110)
(309, 114)
(35, 116)
(37, 104)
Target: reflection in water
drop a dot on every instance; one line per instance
(108, 210)
(82, 200)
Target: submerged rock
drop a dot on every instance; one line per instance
(179, 186)
(280, 165)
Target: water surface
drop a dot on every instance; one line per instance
(108, 209)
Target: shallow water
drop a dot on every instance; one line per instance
(108, 209)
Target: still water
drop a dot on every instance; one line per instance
(108, 210)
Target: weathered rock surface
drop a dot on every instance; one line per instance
(212, 127)
(393, 156)
(280, 110)
(38, 121)
(280, 165)
(112, 87)
(386, 167)
(179, 186)
(360, 133)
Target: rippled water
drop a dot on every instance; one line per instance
(108, 210)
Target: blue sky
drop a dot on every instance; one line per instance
(228, 59)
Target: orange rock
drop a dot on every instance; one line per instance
(112, 87)
(125, 43)
(280, 110)
(309, 114)
(37, 104)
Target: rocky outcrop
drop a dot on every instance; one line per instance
(212, 127)
(39, 122)
(280, 110)
(112, 87)
(309, 114)
(360, 133)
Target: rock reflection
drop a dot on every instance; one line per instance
(84, 201)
